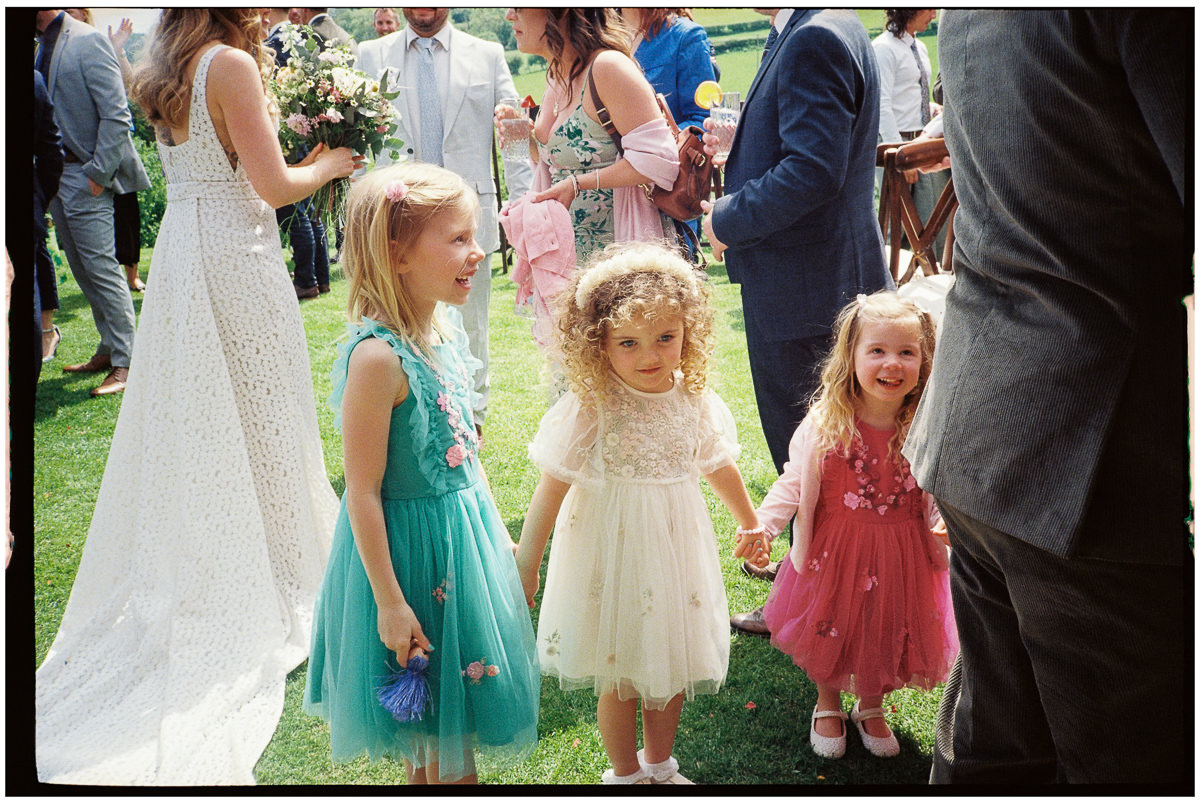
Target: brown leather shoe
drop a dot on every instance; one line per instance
(323, 288)
(307, 293)
(97, 363)
(766, 573)
(751, 622)
(114, 383)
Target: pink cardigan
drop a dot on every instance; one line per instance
(543, 242)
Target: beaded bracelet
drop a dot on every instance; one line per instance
(761, 530)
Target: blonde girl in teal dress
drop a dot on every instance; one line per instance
(421, 557)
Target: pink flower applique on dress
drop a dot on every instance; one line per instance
(443, 401)
(456, 455)
(476, 671)
(852, 500)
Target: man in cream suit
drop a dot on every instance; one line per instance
(83, 78)
(451, 82)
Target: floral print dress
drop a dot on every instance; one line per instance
(869, 612)
(452, 556)
(578, 146)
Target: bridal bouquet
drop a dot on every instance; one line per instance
(322, 98)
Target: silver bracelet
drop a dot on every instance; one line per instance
(596, 173)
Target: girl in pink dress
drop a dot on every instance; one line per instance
(863, 604)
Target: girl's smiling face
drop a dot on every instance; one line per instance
(439, 265)
(887, 362)
(644, 352)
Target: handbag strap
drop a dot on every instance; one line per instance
(601, 110)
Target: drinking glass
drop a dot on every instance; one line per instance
(724, 118)
(515, 131)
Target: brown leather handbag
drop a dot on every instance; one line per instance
(682, 201)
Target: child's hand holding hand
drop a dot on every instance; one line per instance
(400, 631)
(531, 578)
(939, 530)
(754, 545)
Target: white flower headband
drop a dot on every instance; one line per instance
(611, 269)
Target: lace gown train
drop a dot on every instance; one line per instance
(194, 594)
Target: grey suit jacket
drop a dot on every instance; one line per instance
(331, 31)
(1056, 410)
(479, 79)
(91, 109)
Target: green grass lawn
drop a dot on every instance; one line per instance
(755, 731)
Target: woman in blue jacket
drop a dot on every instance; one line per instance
(674, 54)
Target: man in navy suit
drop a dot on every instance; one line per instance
(797, 223)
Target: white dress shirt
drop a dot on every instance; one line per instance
(899, 84)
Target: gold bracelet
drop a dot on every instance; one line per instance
(575, 183)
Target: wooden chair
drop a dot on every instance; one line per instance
(898, 213)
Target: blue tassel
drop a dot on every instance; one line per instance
(405, 693)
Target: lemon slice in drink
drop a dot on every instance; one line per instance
(708, 94)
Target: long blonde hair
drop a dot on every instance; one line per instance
(159, 83)
(832, 409)
(378, 227)
(621, 282)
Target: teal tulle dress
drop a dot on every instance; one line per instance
(450, 551)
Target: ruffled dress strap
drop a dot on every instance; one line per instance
(433, 403)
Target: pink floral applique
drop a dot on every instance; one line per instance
(871, 581)
(443, 401)
(910, 483)
(456, 455)
(476, 671)
(852, 500)
(439, 592)
(882, 510)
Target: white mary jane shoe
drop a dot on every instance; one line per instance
(828, 747)
(879, 746)
(665, 772)
(639, 776)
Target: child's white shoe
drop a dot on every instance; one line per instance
(639, 776)
(828, 747)
(879, 746)
(665, 772)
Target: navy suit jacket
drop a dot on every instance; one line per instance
(798, 215)
(47, 153)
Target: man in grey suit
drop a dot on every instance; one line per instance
(83, 78)
(1053, 429)
(451, 82)
(324, 25)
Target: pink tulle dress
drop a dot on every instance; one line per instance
(869, 612)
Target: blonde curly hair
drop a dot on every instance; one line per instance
(620, 283)
(832, 409)
(379, 227)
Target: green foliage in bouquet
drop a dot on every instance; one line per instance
(323, 99)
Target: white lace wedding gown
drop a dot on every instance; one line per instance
(195, 591)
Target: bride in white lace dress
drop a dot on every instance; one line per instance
(194, 594)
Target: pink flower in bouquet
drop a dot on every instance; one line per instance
(333, 115)
(456, 455)
(381, 129)
(299, 124)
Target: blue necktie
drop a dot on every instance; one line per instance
(771, 37)
(430, 103)
(924, 83)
